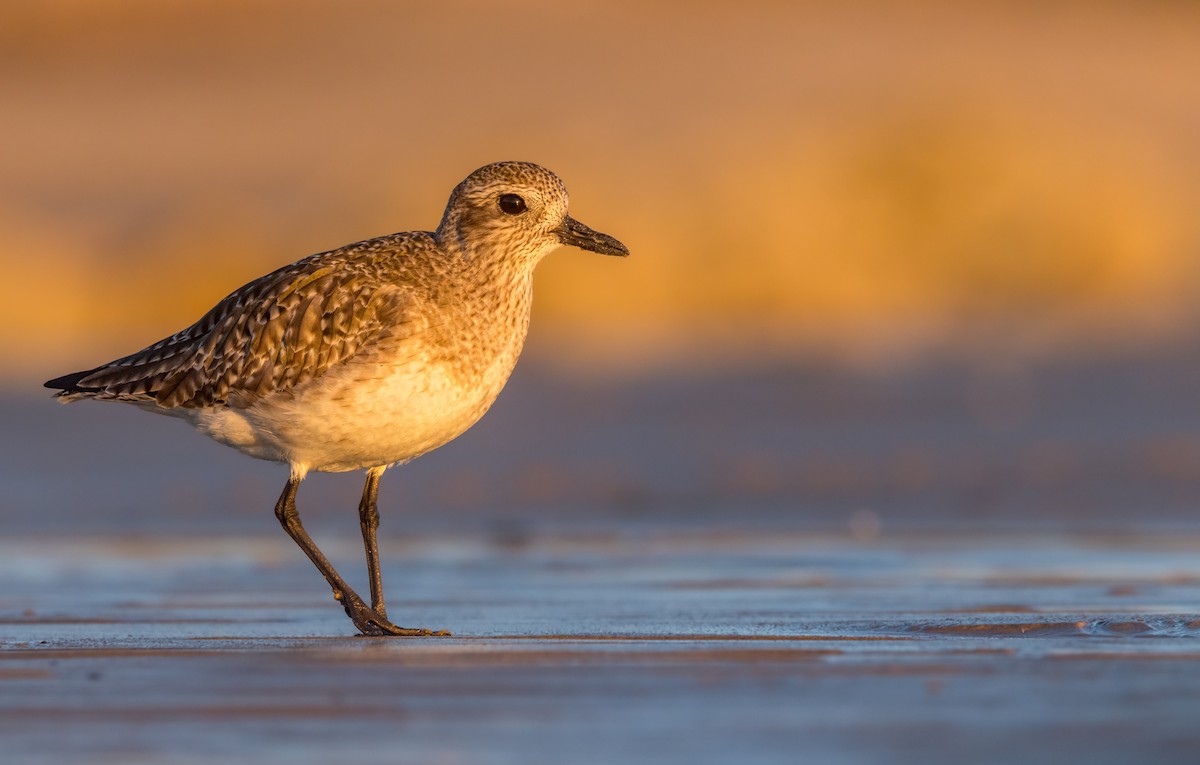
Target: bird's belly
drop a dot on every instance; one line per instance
(361, 419)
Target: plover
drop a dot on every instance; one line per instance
(362, 357)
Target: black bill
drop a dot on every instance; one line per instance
(576, 234)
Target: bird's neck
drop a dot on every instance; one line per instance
(484, 316)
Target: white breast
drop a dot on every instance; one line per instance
(361, 416)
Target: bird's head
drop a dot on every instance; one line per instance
(518, 211)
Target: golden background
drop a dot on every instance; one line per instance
(865, 182)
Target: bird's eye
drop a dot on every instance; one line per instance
(512, 204)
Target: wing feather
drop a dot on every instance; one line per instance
(275, 333)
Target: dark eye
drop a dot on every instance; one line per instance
(512, 204)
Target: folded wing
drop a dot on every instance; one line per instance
(270, 336)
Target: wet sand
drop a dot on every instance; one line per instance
(978, 571)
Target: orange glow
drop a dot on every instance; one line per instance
(869, 181)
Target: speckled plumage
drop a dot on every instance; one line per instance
(367, 355)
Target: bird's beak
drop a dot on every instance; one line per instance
(576, 234)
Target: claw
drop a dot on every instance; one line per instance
(371, 623)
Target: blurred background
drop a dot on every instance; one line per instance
(883, 253)
(906, 350)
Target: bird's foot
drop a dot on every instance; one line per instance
(370, 622)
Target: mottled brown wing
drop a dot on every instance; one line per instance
(269, 336)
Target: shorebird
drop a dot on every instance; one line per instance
(362, 357)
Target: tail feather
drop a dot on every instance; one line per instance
(79, 385)
(70, 383)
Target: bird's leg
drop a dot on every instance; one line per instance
(367, 620)
(368, 520)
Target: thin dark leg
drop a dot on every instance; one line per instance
(368, 621)
(368, 520)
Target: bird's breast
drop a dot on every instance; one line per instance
(393, 405)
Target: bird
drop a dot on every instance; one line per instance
(362, 357)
